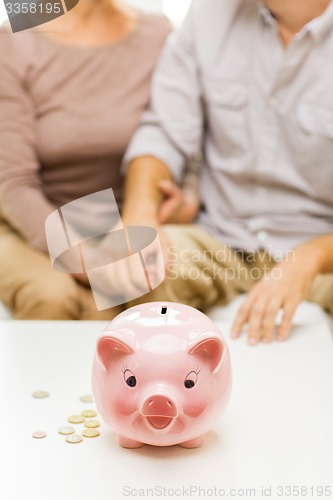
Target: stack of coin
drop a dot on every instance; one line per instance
(76, 419)
(91, 426)
(39, 434)
(65, 430)
(74, 438)
(89, 413)
(86, 398)
(90, 433)
(40, 394)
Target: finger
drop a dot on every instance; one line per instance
(255, 320)
(168, 208)
(268, 322)
(173, 195)
(167, 187)
(243, 314)
(288, 314)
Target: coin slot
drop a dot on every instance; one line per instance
(164, 310)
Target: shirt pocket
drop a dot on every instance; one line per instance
(316, 120)
(315, 148)
(226, 109)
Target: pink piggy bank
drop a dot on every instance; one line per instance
(161, 375)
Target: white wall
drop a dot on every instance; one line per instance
(174, 9)
(3, 14)
(152, 5)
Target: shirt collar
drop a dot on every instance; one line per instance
(317, 28)
(266, 15)
(321, 25)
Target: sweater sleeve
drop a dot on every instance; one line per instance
(22, 201)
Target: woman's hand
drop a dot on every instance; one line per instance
(180, 206)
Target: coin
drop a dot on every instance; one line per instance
(74, 438)
(39, 434)
(89, 413)
(40, 394)
(76, 419)
(90, 433)
(66, 429)
(86, 398)
(92, 424)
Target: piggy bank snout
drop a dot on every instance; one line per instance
(159, 405)
(159, 411)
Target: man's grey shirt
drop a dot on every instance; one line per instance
(263, 115)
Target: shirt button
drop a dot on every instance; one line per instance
(262, 236)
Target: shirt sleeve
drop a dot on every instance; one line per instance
(22, 201)
(171, 129)
(192, 175)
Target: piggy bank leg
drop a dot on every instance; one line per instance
(193, 443)
(129, 443)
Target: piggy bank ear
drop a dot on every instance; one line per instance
(210, 348)
(109, 346)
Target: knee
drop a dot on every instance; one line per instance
(57, 300)
(322, 292)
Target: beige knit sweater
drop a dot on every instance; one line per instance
(66, 117)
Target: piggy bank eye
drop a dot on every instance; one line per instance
(191, 379)
(129, 378)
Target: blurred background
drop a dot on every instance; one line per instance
(174, 9)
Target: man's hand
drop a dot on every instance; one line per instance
(284, 287)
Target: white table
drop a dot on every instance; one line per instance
(277, 430)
